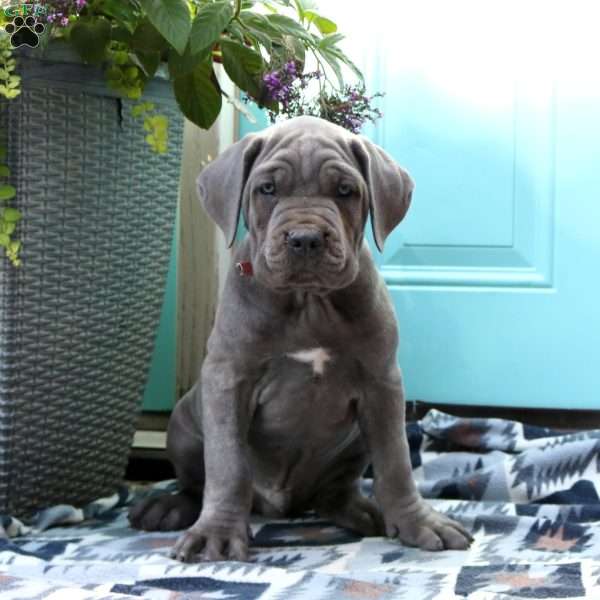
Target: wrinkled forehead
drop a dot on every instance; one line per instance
(306, 159)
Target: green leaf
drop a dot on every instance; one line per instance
(4, 240)
(7, 228)
(2, 152)
(260, 22)
(324, 25)
(300, 53)
(234, 29)
(290, 27)
(330, 40)
(271, 5)
(261, 29)
(258, 39)
(289, 48)
(7, 192)
(172, 18)
(296, 48)
(333, 62)
(11, 215)
(341, 57)
(209, 23)
(139, 109)
(286, 3)
(147, 61)
(303, 6)
(147, 38)
(120, 34)
(244, 66)
(199, 99)
(4, 171)
(122, 12)
(180, 64)
(90, 37)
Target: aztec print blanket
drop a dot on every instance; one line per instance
(528, 494)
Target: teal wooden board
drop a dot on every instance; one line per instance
(159, 394)
(245, 126)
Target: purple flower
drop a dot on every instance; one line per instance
(283, 92)
(349, 107)
(62, 9)
(279, 84)
(272, 79)
(290, 68)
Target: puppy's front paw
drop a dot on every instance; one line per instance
(213, 540)
(421, 526)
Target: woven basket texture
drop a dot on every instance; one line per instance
(78, 319)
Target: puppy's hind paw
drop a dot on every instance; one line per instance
(358, 514)
(168, 512)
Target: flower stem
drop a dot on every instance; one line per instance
(238, 8)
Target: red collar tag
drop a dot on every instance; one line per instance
(244, 269)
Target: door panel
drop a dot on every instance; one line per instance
(484, 198)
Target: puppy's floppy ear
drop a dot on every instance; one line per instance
(390, 187)
(221, 183)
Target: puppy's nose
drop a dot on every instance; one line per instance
(305, 242)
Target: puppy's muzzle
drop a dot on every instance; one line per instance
(305, 243)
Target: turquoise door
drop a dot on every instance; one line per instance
(495, 272)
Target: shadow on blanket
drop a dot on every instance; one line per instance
(528, 494)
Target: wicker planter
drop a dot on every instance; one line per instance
(78, 319)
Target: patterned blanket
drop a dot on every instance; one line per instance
(529, 495)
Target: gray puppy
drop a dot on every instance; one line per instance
(300, 388)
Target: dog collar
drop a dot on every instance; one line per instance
(244, 268)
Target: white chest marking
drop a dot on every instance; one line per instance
(317, 356)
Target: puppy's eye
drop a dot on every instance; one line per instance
(267, 188)
(344, 190)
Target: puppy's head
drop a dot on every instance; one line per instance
(305, 188)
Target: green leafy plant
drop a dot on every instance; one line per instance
(9, 216)
(9, 81)
(132, 40)
(250, 38)
(154, 123)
